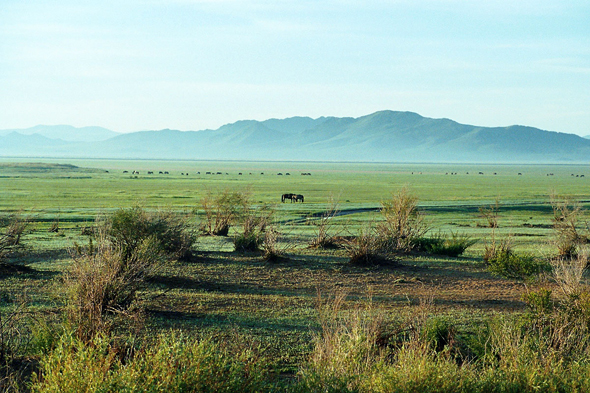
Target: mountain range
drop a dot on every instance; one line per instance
(385, 136)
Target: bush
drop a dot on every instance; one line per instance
(103, 282)
(324, 237)
(402, 225)
(567, 236)
(254, 225)
(511, 265)
(168, 364)
(452, 246)
(366, 250)
(12, 230)
(128, 228)
(223, 211)
(105, 277)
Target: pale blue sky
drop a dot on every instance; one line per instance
(132, 65)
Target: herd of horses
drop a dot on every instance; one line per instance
(292, 197)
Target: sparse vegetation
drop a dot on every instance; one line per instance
(108, 314)
(326, 236)
(567, 235)
(223, 211)
(402, 226)
(12, 229)
(452, 246)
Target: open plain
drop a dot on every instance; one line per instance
(274, 307)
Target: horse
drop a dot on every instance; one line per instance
(284, 197)
(297, 198)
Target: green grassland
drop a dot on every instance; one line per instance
(274, 306)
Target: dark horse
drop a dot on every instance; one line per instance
(297, 198)
(284, 197)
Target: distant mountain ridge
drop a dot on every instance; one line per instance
(66, 133)
(385, 136)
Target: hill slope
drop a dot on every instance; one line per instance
(384, 136)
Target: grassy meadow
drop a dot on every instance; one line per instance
(277, 315)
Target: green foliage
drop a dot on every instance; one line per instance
(171, 363)
(516, 266)
(452, 246)
(539, 301)
(128, 228)
(438, 332)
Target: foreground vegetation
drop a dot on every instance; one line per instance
(381, 281)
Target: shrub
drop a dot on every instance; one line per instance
(271, 251)
(496, 247)
(438, 333)
(103, 282)
(402, 225)
(511, 265)
(490, 214)
(128, 228)
(567, 237)
(13, 228)
(170, 363)
(324, 238)
(366, 250)
(223, 211)
(254, 226)
(452, 246)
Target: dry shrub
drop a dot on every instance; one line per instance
(13, 230)
(346, 346)
(366, 249)
(325, 237)
(490, 214)
(566, 217)
(568, 272)
(223, 211)
(255, 222)
(104, 280)
(403, 225)
(103, 283)
(271, 252)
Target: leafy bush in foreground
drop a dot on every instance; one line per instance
(170, 364)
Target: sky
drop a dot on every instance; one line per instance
(136, 65)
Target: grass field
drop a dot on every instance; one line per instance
(273, 307)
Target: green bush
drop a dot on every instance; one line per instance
(128, 228)
(516, 266)
(169, 364)
(452, 246)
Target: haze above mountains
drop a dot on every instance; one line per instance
(384, 136)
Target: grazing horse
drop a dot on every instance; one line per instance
(297, 198)
(284, 197)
